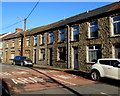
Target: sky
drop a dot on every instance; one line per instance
(45, 13)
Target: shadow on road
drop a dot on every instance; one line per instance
(73, 91)
(103, 80)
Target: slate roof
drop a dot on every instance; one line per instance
(79, 17)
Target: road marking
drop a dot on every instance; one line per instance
(64, 81)
(63, 76)
(27, 80)
(105, 94)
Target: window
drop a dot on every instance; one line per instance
(42, 54)
(116, 25)
(13, 43)
(117, 51)
(61, 35)
(35, 40)
(12, 55)
(27, 53)
(61, 54)
(93, 29)
(41, 39)
(94, 53)
(51, 37)
(75, 32)
(27, 41)
(6, 44)
(19, 42)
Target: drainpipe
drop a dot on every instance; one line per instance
(68, 47)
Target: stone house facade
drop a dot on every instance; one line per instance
(73, 43)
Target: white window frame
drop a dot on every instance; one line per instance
(60, 33)
(13, 43)
(88, 50)
(6, 44)
(35, 40)
(51, 36)
(19, 42)
(27, 42)
(72, 33)
(41, 39)
(89, 32)
(112, 26)
(41, 55)
(58, 53)
(12, 55)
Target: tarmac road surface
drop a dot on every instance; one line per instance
(33, 81)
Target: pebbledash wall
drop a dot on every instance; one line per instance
(73, 43)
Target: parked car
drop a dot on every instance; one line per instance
(107, 67)
(22, 60)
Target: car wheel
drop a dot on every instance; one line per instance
(22, 64)
(95, 75)
(13, 63)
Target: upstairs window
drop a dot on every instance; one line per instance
(75, 33)
(27, 41)
(13, 43)
(93, 29)
(62, 35)
(116, 25)
(6, 44)
(35, 41)
(19, 42)
(51, 37)
(41, 39)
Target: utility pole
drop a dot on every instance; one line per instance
(24, 37)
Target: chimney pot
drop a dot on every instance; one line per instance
(18, 29)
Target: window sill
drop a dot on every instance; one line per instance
(92, 38)
(49, 43)
(34, 45)
(60, 41)
(41, 44)
(74, 41)
(60, 60)
(113, 36)
(12, 47)
(41, 60)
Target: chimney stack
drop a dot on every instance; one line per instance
(18, 29)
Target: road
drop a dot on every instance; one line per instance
(34, 81)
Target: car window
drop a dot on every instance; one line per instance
(105, 62)
(115, 63)
(23, 58)
(17, 58)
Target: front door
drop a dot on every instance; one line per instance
(50, 50)
(34, 56)
(76, 58)
(6, 60)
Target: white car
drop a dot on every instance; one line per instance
(107, 67)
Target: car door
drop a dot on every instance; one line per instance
(106, 65)
(115, 71)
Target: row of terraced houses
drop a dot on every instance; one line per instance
(73, 43)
